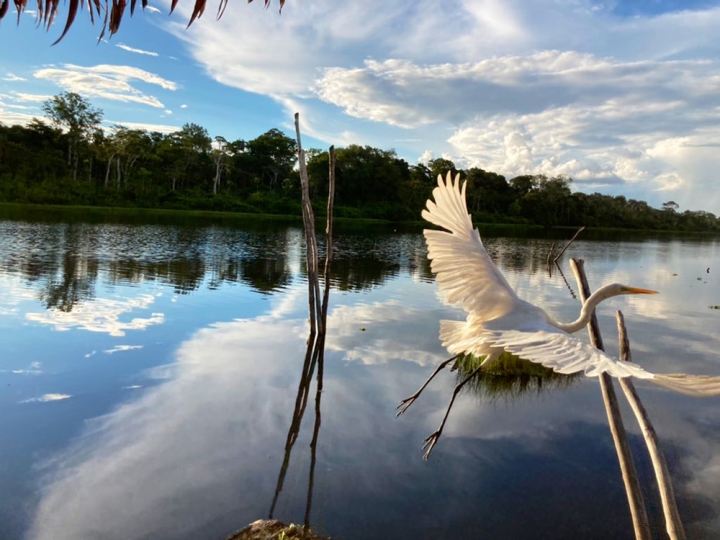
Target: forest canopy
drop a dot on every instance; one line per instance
(69, 159)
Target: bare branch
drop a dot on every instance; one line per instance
(581, 229)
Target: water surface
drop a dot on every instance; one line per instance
(150, 374)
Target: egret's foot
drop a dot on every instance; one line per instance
(404, 405)
(429, 443)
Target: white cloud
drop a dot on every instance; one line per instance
(120, 348)
(47, 397)
(598, 120)
(160, 128)
(14, 118)
(136, 51)
(152, 9)
(425, 157)
(29, 98)
(106, 81)
(183, 106)
(11, 77)
(34, 369)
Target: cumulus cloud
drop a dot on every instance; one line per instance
(599, 120)
(106, 81)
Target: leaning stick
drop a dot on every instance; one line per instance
(310, 239)
(638, 513)
(673, 522)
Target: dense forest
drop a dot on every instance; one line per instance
(70, 160)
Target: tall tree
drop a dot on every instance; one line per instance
(77, 117)
(440, 167)
(219, 155)
(272, 157)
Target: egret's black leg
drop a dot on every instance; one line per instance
(405, 403)
(429, 443)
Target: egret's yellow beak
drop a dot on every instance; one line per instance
(635, 290)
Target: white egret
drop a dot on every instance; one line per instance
(498, 320)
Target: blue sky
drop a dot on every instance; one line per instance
(624, 97)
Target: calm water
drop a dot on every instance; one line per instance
(150, 372)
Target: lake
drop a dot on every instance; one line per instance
(150, 375)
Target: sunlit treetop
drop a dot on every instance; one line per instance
(109, 11)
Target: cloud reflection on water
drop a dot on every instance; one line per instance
(197, 455)
(185, 453)
(101, 315)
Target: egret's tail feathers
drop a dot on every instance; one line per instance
(458, 337)
(449, 210)
(691, 385)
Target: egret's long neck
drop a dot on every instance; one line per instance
(603, 293)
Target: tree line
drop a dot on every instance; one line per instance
(69, 159)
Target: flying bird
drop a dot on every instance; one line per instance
(499, 321)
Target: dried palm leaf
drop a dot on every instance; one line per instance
(114, 11)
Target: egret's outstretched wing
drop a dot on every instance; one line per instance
(555, 349)
(692, 385)
(545, 344)
(465, 272)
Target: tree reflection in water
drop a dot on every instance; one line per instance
(511, 378)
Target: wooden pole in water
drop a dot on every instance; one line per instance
(641, 524)
(310, 239)
(673, 523)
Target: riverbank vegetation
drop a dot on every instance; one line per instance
(68, 159)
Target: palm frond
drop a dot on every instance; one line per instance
(113, 10)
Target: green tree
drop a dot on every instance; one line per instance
(488, 192)
(182, 150)
(440, 167)
(272, 157)
(77, 117)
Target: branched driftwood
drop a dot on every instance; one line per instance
(640, 520)
(557, 257)
(567, 284)
(673, 522)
